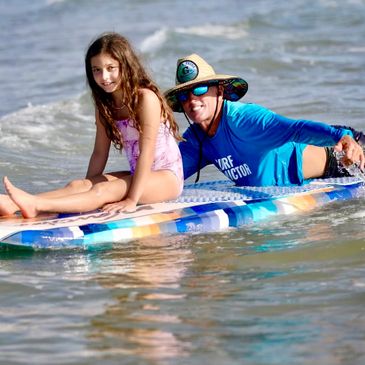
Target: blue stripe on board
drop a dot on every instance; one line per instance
(101, 237)
(54, 234)
(239, 215)
(58, 237)
(263, 209)
(343, 194)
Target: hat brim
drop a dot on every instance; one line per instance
(234, 89)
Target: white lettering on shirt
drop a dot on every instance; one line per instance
(226, 165)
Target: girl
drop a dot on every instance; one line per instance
(131, 113)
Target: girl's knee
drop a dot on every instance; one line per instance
(80, 185)
(105, 191)
(98, 189)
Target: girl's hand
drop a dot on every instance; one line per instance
(126, 205)
(353, 152)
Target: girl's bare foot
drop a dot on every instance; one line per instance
(7, 206)
(26, 202)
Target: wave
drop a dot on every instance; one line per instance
(215, 30)
(51, 2)
(56, 124)
(156, 40)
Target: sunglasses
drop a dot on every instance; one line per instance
(199, 90)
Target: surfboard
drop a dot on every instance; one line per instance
(204, 207)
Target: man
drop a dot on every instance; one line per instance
(251, 145)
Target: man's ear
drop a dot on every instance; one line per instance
(220, 90)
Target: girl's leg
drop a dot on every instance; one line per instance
(8, 206)
(162, 185)
(82, 185)
(99, 194)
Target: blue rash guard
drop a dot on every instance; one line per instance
(254, 146)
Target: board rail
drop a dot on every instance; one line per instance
(204, 207)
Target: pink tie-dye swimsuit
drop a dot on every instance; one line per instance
(167, 153)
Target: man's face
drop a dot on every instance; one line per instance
(199, 104)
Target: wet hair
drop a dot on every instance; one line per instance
(133, 76)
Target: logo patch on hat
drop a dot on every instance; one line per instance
(186, 71)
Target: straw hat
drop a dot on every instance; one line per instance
(193, 70)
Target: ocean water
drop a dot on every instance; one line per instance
(289, 291)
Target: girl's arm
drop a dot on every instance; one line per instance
(100, 154)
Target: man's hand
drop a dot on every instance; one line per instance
(354, 154)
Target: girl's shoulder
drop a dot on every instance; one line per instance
(147, 94)
(148, 99)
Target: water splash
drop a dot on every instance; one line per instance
(353, 170)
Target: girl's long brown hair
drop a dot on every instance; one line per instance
(133, 77)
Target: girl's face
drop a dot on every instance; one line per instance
(105, 70)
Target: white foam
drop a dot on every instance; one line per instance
(44, 125)
(356, 49)
(51, 2)
(358, 215)
(214, 30)
(154, 41)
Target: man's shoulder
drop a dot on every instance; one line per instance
(240, 107)
(238, 113)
